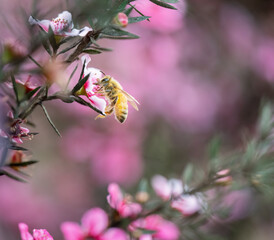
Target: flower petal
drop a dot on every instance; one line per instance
(72, 231)
(43, 24)
(115, 196)
(161, 187)
(41, 234)
(114, 234)
(187, 205)
(24, 231)
(95, 221)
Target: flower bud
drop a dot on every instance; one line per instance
(121, 19)
(12, 51)
(142, 197)
(223, 177)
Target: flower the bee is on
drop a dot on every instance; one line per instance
(90, 89)
(61, 25)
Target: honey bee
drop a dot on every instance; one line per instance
(117, 98)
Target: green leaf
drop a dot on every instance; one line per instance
(92, 51)
(23, 164)
(128, 10)
(82, 72)
(71, 75)
(265, 123)
(14, 147)
(13, 176)
(188, 173)
(137, 19)
(52, 40)
(163, 4)
(170, 1)
(122, 6)
(69, 48)
(102, 49)
(137, 11)
(4, 156)
(83, 102)
(214, 147)
(44, 40)
(32, 92)
(34, 61)
(117, 33)
(15, 89)
(79, 84)
(143, 186)
(50, 121)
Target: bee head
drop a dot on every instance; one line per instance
(104, 81)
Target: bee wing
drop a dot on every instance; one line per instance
(131, 99)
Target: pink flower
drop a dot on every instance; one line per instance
(94, 225)
(161, 228)
(223, 177)
(172, 189)
(122, 204)
(89, 88)
(16, 132)
(166, 189)
(186, 204)
(61, 26)
(38, 234)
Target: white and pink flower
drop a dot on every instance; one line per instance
(122, 204)
(165, 188)
(94, 225)
(172, 189)
(15, 131)
(160, 228)
(38, 234)
(61, 25)
(90, 88)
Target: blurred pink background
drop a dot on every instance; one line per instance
(196, 72)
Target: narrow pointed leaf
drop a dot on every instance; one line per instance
(52, 40)
(44, 41)
(92, 51)
(50, 121)
(137, 19)
(82, 71)
(128, 10)
(14, 147)
(137, 11)
(4, 156)
(79, 84)
(117, 33)
(85, 103)
(163, 4)
(170, 1)
(15, 89)
(22, 164)
(69, 48)
(34, 61)
(31, 93)
(71, 75)
(13, 176)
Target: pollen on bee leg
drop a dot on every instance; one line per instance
(100, 116)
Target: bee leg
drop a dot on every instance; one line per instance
(108, 111)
